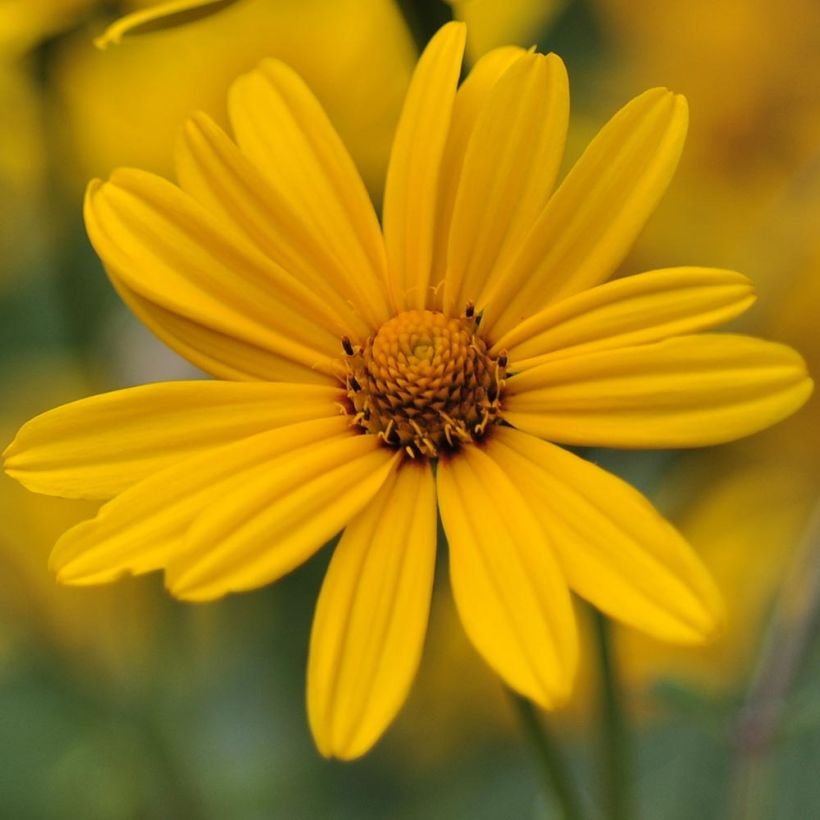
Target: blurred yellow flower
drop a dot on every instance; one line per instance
(745, 62)
(125, 105)
(101, 635)
(364, 379)
(23, 23)
(21, 164)
(745, 67)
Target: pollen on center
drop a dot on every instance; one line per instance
(424, 382)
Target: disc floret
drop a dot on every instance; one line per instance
(425, 382)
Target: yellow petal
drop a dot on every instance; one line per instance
(412, 187)
(510, 166)
(215, 172)
(282, 129)
(690, 391)
(470, 99)
(510, 592)
(634, 310)
(158, 18)
(616, 550)
(277, 518)
(222, 355)
(371, 616)
(99, 446)
(143, 528)
(169, 250)
(591, 221)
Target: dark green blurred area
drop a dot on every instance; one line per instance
(199, 712)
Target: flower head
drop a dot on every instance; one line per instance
(367, 378)
(425, 383)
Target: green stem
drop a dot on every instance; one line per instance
(424, 18)
(793, 625)
(554, 771)
(615, 751)
(181, 790)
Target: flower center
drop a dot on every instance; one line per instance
(425, 382)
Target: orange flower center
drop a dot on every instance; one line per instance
(425, 382)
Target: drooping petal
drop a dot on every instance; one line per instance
(690, 391)
(99, 446)
(508, 172)
(616, 550)
(282, 129)
(371, 616)
(593, 218)
(509, 590)
(170, 251)
(159, 17)
(414, 172)
(143, 528)
(215, 172)
(634, 310)
(275, 520)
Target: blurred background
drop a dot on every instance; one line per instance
(120, 703)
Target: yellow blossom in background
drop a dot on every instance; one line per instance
(125, 105)
(24, 23)
(788, 256)
(365, 378)
(103, 634)
(745, 62)
(747, 68)
(21, 164)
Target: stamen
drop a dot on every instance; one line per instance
(425, 382)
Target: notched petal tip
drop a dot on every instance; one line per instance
(9, 452)
(17, 467)
(706, 616)
(180, 581)
(716, 625)
(556, 64)
(453, 28)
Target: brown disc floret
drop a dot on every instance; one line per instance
(425, 382)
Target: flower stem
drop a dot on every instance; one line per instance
(424, 18)
(554, 771)
(794, 622)
(615, 751)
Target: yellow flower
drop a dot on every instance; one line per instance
(360, 77)
(99, 635)
(364, 381)
(24, 23)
